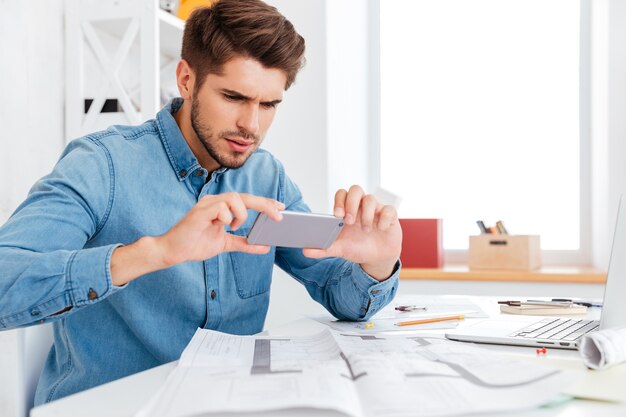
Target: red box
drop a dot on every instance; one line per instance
(422, 243)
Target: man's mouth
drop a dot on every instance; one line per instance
(239, 145)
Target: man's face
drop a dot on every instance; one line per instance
(231, 112)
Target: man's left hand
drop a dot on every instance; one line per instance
(371, 236)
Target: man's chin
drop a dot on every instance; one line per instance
(235, 161)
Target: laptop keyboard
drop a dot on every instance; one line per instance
(557, 329)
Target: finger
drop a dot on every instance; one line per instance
(234, 243)
(209, 210)
(353, 201)
(265, 205)
(369, 204)
(387, 216)
(340, 202)
(220, 213)
(237, 207)
(212, 204)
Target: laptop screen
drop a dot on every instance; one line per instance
(614, 304)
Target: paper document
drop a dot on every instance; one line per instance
(386, 319)
(356, 375)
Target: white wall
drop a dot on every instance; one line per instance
(299, 139)
(31, 82)
(31, 138)
(348, 48)
(608, 124)
(321, 131)
(298, 135)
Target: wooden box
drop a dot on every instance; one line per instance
(491, 251)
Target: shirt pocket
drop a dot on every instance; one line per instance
(253, 273)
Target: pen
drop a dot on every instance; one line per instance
(586, 303)
(559, 303)
(537, 303)
(481, 226)
(501, 229)
(431, 320)
(410, 308)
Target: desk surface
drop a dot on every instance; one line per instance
(126, 396)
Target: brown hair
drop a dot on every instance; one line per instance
(250, 28)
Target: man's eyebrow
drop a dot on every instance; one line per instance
(273, 102)
(244, 97)
(235, 93)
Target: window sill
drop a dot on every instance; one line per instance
(567, 274)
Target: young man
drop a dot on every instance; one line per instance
(137, 237)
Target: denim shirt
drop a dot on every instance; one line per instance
(111, 188)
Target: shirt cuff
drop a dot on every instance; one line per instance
(378, 292)
(89, 275)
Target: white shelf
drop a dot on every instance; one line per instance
(170, 33)
(145, 35)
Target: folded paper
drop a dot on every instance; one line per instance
(604, 348)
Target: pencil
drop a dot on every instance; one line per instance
(431, 320)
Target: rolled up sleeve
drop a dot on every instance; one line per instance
(47, 269)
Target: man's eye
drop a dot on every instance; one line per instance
(269, 105)
(232, 98)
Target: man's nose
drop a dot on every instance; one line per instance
(249, 119)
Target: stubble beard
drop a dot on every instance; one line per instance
(232, 160)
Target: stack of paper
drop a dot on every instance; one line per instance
(357, 375)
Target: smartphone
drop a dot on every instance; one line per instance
(296, 230)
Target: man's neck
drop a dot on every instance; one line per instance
(183, 119)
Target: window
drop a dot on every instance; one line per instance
(480, 117)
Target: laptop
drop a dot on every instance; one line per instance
(558, 332)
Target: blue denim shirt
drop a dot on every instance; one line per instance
(111, 188)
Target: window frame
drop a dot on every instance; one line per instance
(580, 257)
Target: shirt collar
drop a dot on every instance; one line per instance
(182, 159)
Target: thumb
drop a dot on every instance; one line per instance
(235, 243)
(316, 253)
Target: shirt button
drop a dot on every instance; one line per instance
(199, 173)
(375, 291)
(92, 295)
(213, 294)
(35, 313)
(182, 173)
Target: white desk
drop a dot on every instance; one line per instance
(124, 397)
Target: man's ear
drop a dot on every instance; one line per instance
(185, 79)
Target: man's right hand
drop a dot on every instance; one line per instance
(198, 236)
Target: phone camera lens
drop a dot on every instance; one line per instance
(341, 224)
